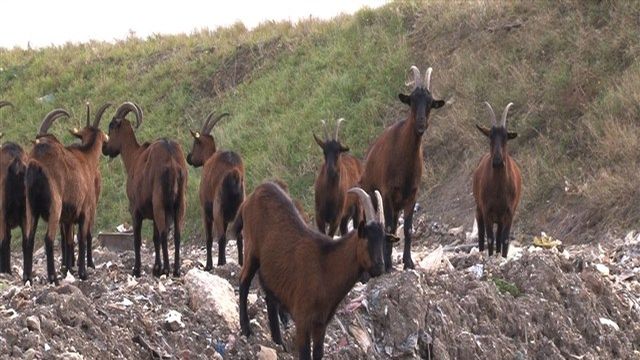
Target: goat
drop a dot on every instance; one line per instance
(66, 230)
(60, 189)
(340, 172)
(156, 185)
(306, 272)
(12, 202)
(394, 163)
(497, 185)
(221, 187)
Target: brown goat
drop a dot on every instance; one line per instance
(340, 172)
(13, 162)
(306, 272)
(60, 189)
(156, 186)
(394, 163)
(221, 188)
(497, 185)
(85, 135)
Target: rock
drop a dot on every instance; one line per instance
(69, 279)
(211, 293)
(33, 323)
(32, 354)
(267, 353)
(70, 356)
(173, 321)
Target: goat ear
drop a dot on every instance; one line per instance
(195, 134)
(361, 229)
(437, 104)
(512, 135)
(406, 99)
(484, 130)
(318, 141)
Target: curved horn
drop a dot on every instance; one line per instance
(338, 127)
(99, 113)
(88, 113)
(417, 79)
(380, 208)
(1, 135)
(128, 107)
(4, 103)
(503, 121)
(50, 118)
(427, 78)
(494, 121)
(365, 200)
(326, 132)
(210, 124)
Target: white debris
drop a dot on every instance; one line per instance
(605, 321)
(473, 235)
(33, 323)
(456, 231)
(436, 260)
(47, 347)
(125, 302)
(173, 321)
(69, 279)
(267, 353)
(603, 269)
(477, 270)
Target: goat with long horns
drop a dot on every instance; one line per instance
(221, 187)
(497, 185)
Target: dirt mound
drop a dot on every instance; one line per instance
(581, 303)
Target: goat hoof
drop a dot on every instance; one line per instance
(53, 279)
(246, 332)
(91, 265)
(82, 275)
(409, 264)
(157, 270)
(136, 272)
(176, 272)
(166, 271)
(208, 268)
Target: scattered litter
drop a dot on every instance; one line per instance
(605, 321)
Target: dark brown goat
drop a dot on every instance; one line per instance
(60, 189)
(13, 162)
(340, 172)
(306, 272)
(394, 163)
(497, 185)
(221, 188)
(156, 186)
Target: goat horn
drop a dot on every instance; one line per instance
(88, 113)
(365, 200)
(128, 107)
(380, 208)
(326, 131)
(4, 103)
(210, 124)
(417, 80)
(99, 113)
(50, 118)
(503, 121)
(338, 127)
(494, 122)
(1, 135)
(427, 78)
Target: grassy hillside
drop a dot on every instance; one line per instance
(569, 66)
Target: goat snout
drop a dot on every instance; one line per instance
(376, 270)
(497, 162)
(189, 159)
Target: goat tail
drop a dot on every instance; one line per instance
(170, 187)
(38, 189)
(231, 194)
(238, 225)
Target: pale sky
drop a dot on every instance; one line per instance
(43, 23)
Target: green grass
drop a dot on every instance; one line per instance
(570, 69)
(505, 287)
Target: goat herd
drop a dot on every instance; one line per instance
(303, 272)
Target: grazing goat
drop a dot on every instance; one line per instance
(340, 172)
(306, 272)
(156, 186)
(60, 189)
(221, 187)
(497, 185)
(12, 202)
(394, 163)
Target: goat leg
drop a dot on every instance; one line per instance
(318, 335)
(272, 313)
(90, 250)
(176, 243)
(408, 226)
(157, 265)
(137, 243)
(164, 235)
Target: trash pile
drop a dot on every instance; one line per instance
(572, 302)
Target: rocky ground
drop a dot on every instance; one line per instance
(566, 302)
